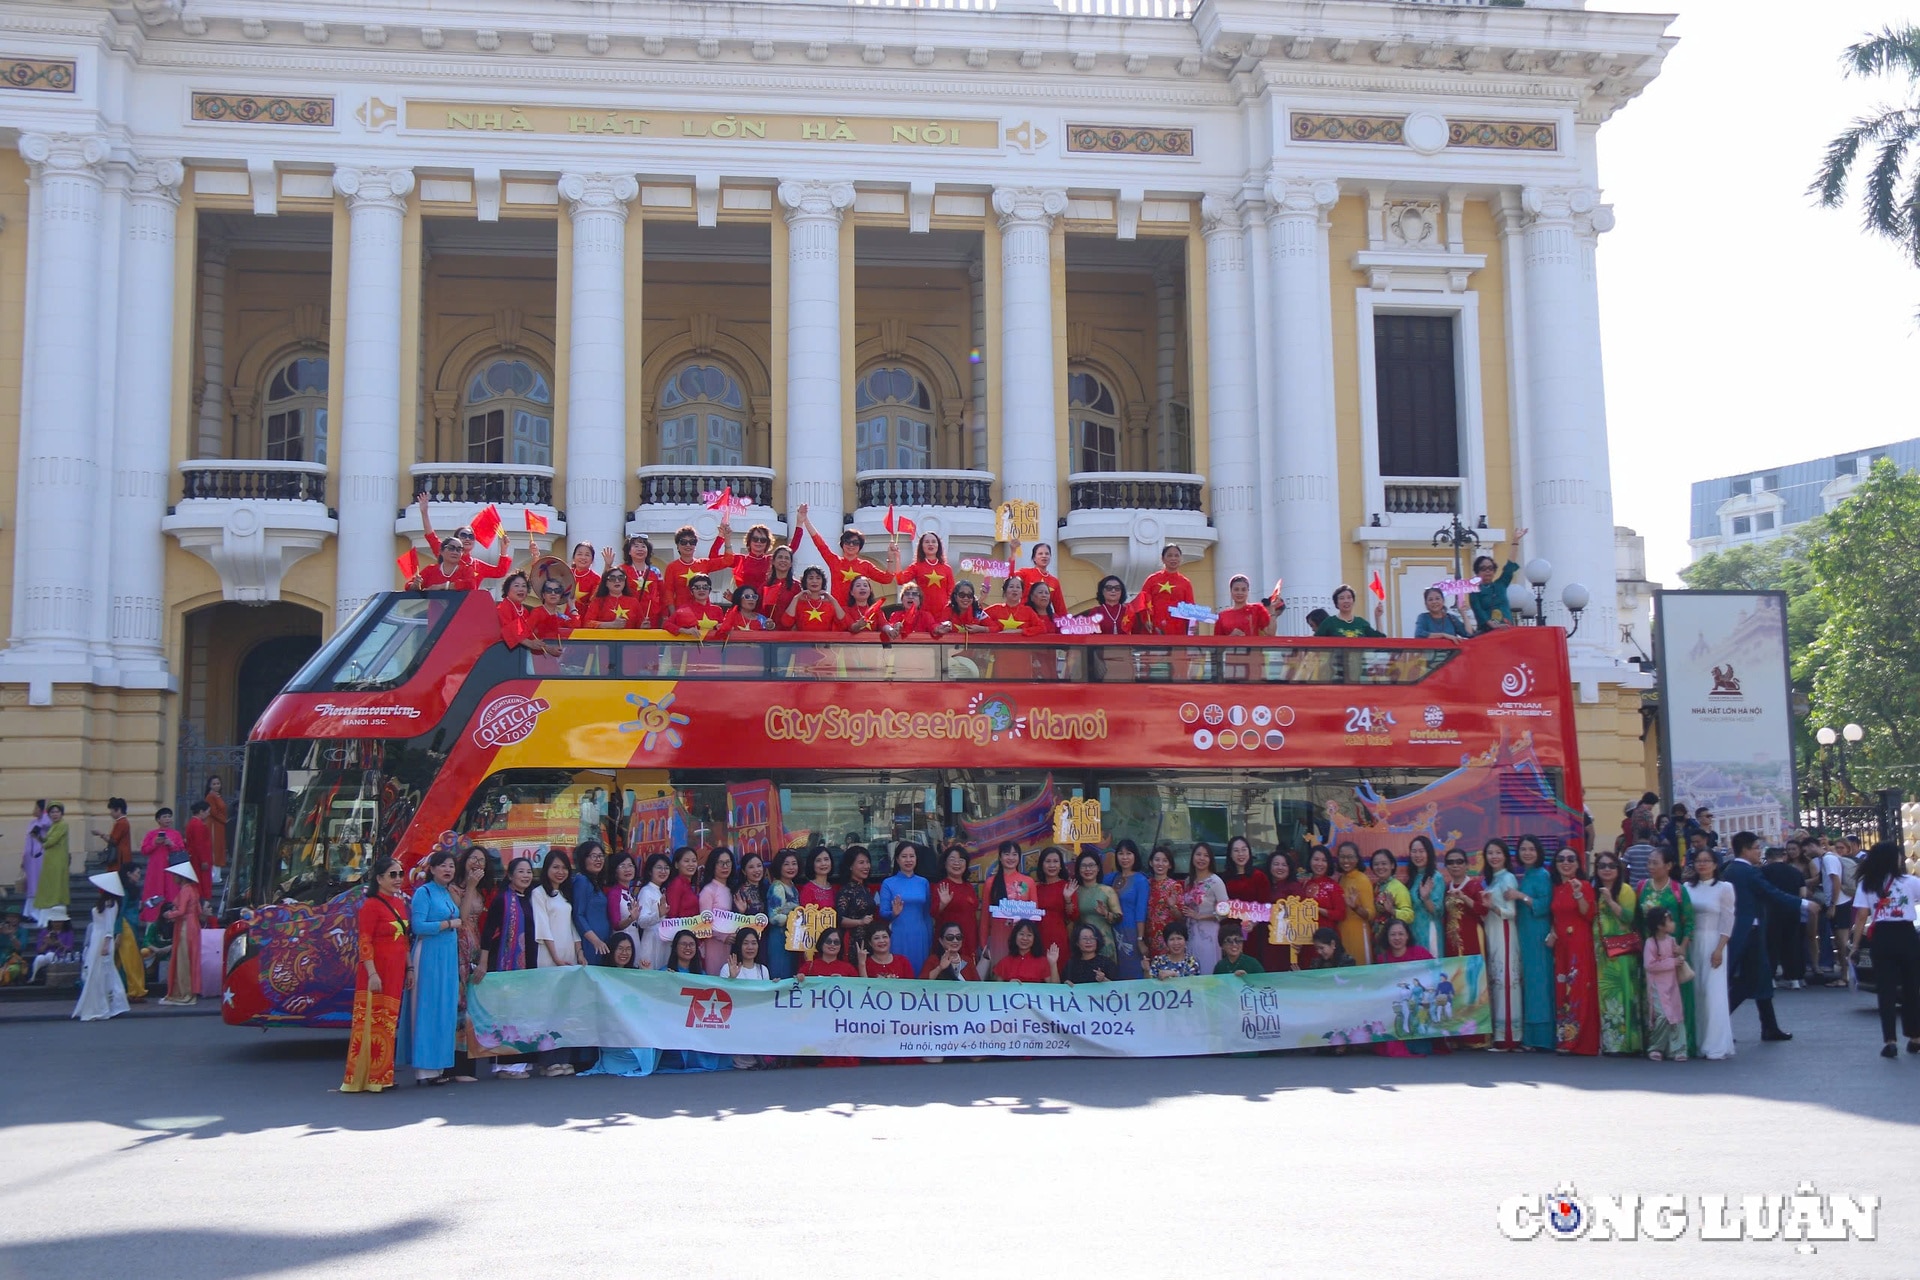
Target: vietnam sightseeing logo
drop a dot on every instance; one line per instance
(508, 719)
(1516, 683)
(1236, 726)
(655, 721)
(1803, 1218)
(708, 1008)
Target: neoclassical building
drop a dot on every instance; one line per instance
(1288, 283)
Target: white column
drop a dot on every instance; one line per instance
(211, 436)
(1253, 213)
(1567, 410)
(1233, 426)
(142, 422)
(59, 466)
(1305, 498)
(597, 357)
(816, 466)
(1029, 463)
(368, 433)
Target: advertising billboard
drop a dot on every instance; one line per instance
(1726, 708)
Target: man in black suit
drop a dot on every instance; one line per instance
(1751, 974)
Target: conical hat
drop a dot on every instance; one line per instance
(184, 870)
(555, 568)
(108, 882)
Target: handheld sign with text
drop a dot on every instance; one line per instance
(708, 923)
(986, 568)
(1077, 626)
(1456, 586)
(1017, 909)
(723, 501)
(1016, 522)
(806, 924)
(1077, 822)
(1290, 922)
(1193, 612)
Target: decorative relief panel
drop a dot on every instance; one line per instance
(1503, 135)
(1412, 225)
(260, 108)
(37, 75)
(1485, 135)
(1126, 140)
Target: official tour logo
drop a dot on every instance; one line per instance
(1517, 682)
(708, 1007)
(508, 719)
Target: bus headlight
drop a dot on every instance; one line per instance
(236, 950)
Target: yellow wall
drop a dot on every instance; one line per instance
(1618, 763)
(465, 298)
(928, 309)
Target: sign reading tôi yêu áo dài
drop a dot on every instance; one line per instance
(640, 122)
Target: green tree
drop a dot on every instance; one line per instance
(1865, 659)
(1890, 199)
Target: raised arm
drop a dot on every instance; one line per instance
(426, 526)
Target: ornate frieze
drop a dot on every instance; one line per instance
(1481, 135)
(1129, 140)
(37, 75)
(261, 108)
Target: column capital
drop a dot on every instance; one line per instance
(1029, 206)
(815, 199)
(157, 180)
(77, 154)
(587, 193)
(1297, 197)
(1576, 207)
(377, 188)
(1221, 213)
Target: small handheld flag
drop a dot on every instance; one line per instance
(1379, 591)
(486, 526)
(536, 523)
(409, 565)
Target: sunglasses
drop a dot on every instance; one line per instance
(1568, 857)
(1456, 862)
(685, 542)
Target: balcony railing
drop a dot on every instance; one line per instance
(1422, 497)
(254, 479)
(665, 486)
(1134, 490)
(521, 484)
(972, 489)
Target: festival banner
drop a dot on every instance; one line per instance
(578, 1006)
(1726, 707)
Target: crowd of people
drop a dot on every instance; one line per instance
(767, 591)
(152, 902)
(1581, 956)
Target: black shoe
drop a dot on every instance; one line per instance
(1776, 1034)
(1889, 1051)
(1913, 1046)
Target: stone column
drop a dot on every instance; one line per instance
(1166, 342)
(1305, 497)
(816, 465)
(1251, 201)
(976, 451)
(211, 436)
(142, 427)
(1231, 369)
(1567, 409)
(368, 433)
(597, 357)
(1029, 462)
(54, 595)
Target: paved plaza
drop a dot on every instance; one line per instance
(174, 1146)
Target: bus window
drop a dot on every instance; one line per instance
(1151, 666)
(649, 661)
(1302, 666)
(1399, 666)
(746, 661)
(383, 651)
(1014, 662)
(808, 661)
(320, 809)
(915, 661)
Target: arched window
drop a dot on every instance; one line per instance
(509, 415)
(893, 422)
(702, 419)
(294, 422)
(1094, 415)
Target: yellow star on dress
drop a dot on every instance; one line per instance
(814, 615)
(1166, 588)
(934, 579)
(706, 626)
(620, 615)
(1009, 624)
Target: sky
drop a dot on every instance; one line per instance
(1742, 325)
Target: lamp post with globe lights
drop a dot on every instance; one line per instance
(1529, 601)
(1829, 738)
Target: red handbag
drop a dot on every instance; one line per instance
(1621, 944)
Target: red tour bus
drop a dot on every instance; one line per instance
(415, 720)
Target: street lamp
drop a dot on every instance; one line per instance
(1531, 601)
(1827, 737)
(1459, 537)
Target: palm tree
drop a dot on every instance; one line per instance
(1891, 201)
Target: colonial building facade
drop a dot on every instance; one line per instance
(1290, 284)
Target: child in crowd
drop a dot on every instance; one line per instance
(13, 949)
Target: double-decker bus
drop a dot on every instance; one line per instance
(415, 720)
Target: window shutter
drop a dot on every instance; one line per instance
(1415, 396)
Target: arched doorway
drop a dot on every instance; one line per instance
(263, 673)
(236, 658)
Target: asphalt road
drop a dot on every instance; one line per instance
(179, 1147)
